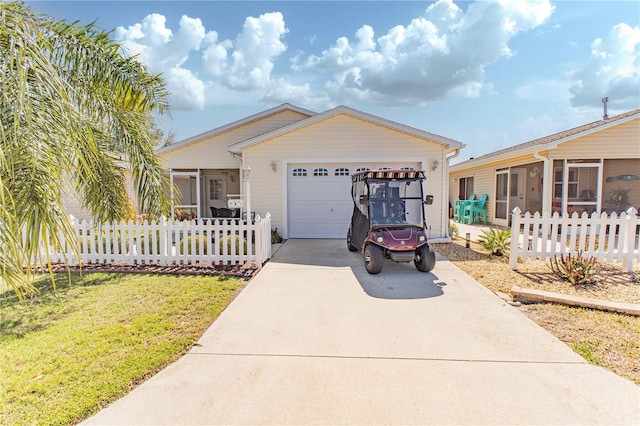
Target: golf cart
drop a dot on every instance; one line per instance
(388, 219)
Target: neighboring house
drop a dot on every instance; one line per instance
(595, 167)
(300, 164)
(73, 205)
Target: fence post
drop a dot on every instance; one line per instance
(266, 254)
(515, 234)
(628, 231)
(257, 229)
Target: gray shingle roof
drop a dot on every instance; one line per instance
(536, 143)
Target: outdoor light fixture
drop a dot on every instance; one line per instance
(246, 172)
(274, 166)
(434, 165)
(468, 240)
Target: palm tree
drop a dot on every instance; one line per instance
(73, 110)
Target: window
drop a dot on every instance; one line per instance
(384, 168)
(299, 172)
(362, 169)
(321, 171)
(341, 171)
(558, 180)
(466, 188)
(407, 168)
(216, 189)
(513, 185)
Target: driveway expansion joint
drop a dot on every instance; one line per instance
(389, 358)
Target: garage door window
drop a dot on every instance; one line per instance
(341, 171)
(362, 169)
(320, 172)
(299, 172)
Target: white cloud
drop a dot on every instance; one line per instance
(244, 64)
(187, 91)
(247, 63)
(612, 70)
(441, 54)
(165, 52)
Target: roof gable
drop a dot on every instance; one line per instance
(551, 141)
(449, 143)
(235, 125)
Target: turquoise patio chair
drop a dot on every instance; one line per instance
(459, 209)
(475, 210)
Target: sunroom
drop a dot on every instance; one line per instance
(206, 193)
(577, 186)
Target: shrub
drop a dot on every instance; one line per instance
(496, 241)
(275, 236)
(107, 238)
(144, 238)
(229, 239)
(587, 241)
(453, 230)
(575, 269)
(197, 244)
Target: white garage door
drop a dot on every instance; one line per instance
(319, 197)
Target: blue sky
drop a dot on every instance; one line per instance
(489, 74)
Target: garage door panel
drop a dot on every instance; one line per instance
(321, 206)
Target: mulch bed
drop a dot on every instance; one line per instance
(236, 271)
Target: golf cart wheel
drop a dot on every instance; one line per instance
(373, 258)
(350, 246)
(425, 259)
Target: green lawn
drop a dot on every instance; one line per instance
(64, 355)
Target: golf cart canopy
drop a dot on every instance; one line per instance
(388, 174)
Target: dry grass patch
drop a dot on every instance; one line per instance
(608, 339)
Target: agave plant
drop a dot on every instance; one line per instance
(576, 269)
(496, 241)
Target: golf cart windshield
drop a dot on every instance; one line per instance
(395, 202)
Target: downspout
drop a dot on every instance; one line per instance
(546, 182)
(445, 206)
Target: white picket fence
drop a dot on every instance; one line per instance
(167, 242)
(613, 237)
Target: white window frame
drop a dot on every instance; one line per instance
(196, 174)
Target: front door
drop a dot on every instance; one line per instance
(517, 188)
(216, 192)
(510, 192)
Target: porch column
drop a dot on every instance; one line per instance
(247, 192)
(173, 195)
(547, 182)
(199, 213)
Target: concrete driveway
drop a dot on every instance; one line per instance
(314, 339)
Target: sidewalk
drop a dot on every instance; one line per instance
(474, 230)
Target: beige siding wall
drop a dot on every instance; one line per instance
(621, 141)
(340, 138)
(73, 206)
(211, 152)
